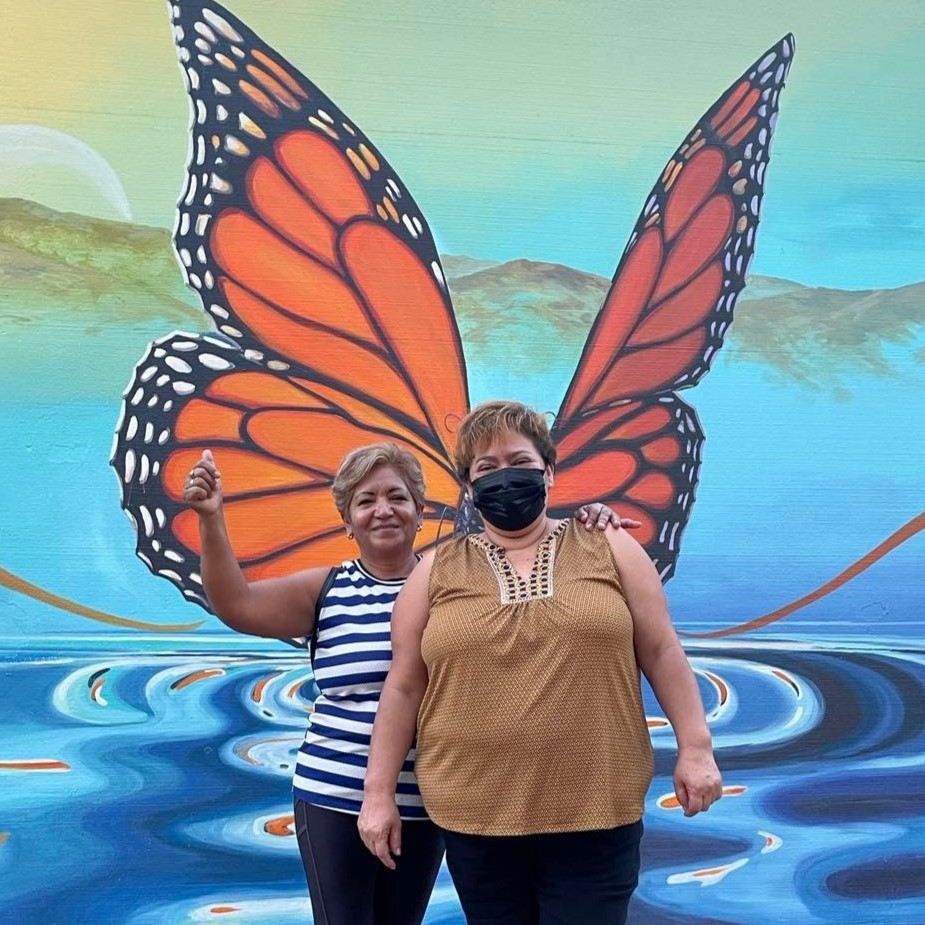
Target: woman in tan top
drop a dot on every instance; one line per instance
(517, 657)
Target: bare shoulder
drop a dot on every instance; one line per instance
(420, 576)
(308, 581)
(627, 551)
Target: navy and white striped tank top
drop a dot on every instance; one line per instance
(352, 659)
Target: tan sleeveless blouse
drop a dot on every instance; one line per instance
(532, 720)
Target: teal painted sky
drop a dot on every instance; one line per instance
(525, 129)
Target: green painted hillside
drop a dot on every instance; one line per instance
(80, 298)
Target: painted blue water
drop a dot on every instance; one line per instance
(176, 762)
(168, 803)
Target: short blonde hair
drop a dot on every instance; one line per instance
(360, 462)
(491, 419)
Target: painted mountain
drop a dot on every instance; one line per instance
(80, 298)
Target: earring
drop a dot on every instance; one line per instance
(350, 534)
(420, 527)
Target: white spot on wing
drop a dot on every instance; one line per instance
(211, 361)
(204, 30)
(221, 25)
(178, 365)
(409, 225)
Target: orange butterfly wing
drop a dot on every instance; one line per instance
(622, 432)
(323, 278)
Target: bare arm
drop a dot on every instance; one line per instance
(274, 607)
(663, 662)
(396, 718)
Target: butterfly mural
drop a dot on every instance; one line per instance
(335, 326)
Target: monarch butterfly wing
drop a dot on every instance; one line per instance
(278, 443)
(643, 458)
(623, 433)
(304, 245)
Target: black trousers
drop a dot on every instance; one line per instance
(568, 878)
(350, 886)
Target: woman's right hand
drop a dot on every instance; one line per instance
(380, 828)
(202, 490)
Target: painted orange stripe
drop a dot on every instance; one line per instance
(197, 676)
(282, 826)
(97, 688)
(709, 871)
(786, 678)
(720, 686)
(260, 686)
(35, 764)
(670, 801)
(21, 586)
(280, 72)
(735, 97)
(908, 530)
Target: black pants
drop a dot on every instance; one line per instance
(568, 878)
(350, 886)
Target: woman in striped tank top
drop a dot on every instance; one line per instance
(379, 492)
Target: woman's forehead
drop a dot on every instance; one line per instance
(505, 443)
(382, 476)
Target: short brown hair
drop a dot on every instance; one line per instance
(360, 462)
(489, 420)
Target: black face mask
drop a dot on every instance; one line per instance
(510, 499)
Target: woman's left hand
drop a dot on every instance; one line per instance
(600, 515)
(697, 781)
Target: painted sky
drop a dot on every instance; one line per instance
(525, 128)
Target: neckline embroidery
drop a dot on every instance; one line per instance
(514, 588)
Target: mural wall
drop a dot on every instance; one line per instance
(385, 216)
